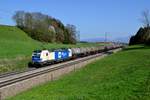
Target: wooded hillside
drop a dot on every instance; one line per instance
(45, 28)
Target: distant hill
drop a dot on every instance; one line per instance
(120, 39)
(94, 40)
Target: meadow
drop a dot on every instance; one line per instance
(121, 76)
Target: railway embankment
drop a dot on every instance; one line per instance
(14, 84)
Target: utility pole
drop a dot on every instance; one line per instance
(105, 37)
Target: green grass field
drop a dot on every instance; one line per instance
(16, 48)
(121, 76)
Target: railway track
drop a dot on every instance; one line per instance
(7, 74)
(11, 83)
(13, 77)
(15, 72)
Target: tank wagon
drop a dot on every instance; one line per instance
(46, 57)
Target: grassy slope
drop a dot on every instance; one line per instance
(16, 48)
(14, 42)
(122, 76)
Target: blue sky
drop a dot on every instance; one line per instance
(119, 18)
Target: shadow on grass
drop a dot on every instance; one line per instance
(136, 47)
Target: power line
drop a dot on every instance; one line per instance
(6, 12)
(106, 37)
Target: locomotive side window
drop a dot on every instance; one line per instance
(46, 54)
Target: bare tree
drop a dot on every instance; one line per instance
(19, 18)
(72, 33)
(146, 18)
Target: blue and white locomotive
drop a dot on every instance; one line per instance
(41, 57)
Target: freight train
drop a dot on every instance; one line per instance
(46, 57)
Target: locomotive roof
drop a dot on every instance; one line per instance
(37, 51)
(58, 49)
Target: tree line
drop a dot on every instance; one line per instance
(143, 34)
(45, 28)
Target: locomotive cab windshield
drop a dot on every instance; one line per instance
(36, 56)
